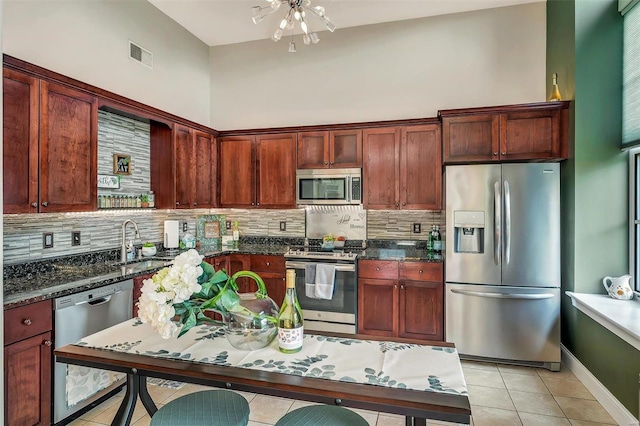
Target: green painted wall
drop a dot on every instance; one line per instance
(584, 46)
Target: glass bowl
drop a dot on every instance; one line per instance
(246, 331)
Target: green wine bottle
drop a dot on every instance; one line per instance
(290, 328)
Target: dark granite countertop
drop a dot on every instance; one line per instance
(26, 284)
(397, 253)
(48, 279)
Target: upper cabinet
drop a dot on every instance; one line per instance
(402, 167)
(195, 177)
(50, 146)
(508, 133)
(330, 149)
(258, 171)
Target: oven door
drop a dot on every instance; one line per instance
(337, 314)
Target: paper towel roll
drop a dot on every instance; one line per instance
(171, 234)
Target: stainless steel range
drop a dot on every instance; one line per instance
(337, 313)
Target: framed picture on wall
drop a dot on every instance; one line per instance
(121, 164)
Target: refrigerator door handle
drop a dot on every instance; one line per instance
(507, 222)
(497, 226)
(525, 296)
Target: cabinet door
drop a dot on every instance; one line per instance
(275, 284)
(380, 171)
(219, 262)
(237, 172)
(27, 374)
(276, 170)
(313, 150)
(204, 178)
(421, 168)
(421, 310)
(530, 135)
(241, 262)
(377, 307)
(20, 142)
(471, 138)
(183, 146)
(345, 148)
(68, 149)
(138, 282)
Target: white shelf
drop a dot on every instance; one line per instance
(621, 317)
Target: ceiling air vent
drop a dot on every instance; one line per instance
(140, 54)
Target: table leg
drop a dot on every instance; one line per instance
(136, 385)
(414, 421)
(145, 397)
(125, 412)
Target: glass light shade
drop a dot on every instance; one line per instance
(277, 35)
(296, 15)
(257, 19)
(307, 39)
(329, 25)
(292, 47)
(319, 10)
(303, 25)
(314, 37)
(256, 10)
(283, 24)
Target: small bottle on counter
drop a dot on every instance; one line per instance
(138, 201)
(437, 242)
(152, 199)
(236, 234)
(290, 323)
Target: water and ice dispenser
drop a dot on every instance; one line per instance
(468, 231)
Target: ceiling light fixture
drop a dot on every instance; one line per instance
(296, 12)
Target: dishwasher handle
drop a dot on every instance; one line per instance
(101, 301)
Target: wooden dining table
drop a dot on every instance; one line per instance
(416, 380)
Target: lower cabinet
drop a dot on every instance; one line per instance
(28, 356)
(138, 282)
(401, 299)
(272, 271)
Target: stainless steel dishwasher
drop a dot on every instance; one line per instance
(76, 316)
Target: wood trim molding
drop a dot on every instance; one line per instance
(504, 108)
(107, 100)
(326, 127)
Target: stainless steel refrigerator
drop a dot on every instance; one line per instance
(503, 262)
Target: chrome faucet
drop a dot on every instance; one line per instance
(123, 249)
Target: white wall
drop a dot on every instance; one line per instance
(407, 69)
(88, 41)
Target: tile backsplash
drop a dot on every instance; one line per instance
(23, 233)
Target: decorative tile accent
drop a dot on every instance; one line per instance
(398, 224)
(122, 135)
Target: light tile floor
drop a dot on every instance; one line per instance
(499, 395)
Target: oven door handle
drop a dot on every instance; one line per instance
(301, 265)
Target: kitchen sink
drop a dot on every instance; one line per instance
(135, 266)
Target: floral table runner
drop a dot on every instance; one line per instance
(381, 363)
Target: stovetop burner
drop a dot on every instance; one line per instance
(316, 252)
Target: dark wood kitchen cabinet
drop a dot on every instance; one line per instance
(28, 356)
(401, 299)
(272, 271)
(402, 168)
(50, 146)
(258, 171)
(516, 132)
(196, 160)
(330, 149)
(241, 262)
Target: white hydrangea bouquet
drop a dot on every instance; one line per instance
(178, 295)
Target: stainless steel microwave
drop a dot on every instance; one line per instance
(329, 186)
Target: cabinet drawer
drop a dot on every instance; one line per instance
(266, 263)
(27, 321)
(381, 269)
(421, 271)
